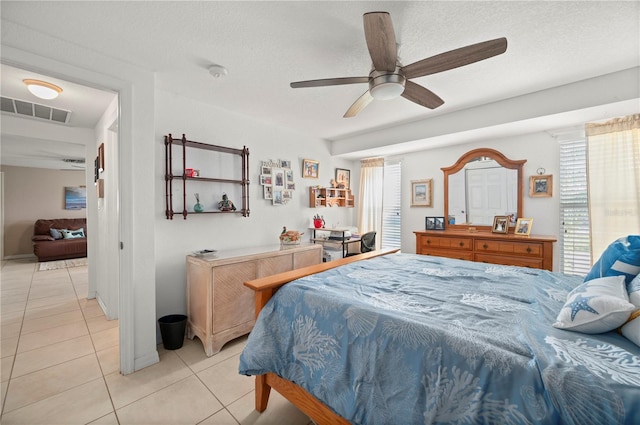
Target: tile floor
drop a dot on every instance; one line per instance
(60, 365)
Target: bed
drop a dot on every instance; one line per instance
(390, 338)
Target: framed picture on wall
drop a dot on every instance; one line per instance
(540, 186)
(343, 178)
(422, 193)
(310, 169)
(75, 198)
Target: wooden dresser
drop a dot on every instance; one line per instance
(219, 306)
(496, 248)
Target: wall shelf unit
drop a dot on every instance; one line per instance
(330, 197)
(187, 178)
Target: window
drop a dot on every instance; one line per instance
(391, 219)
(575, 244)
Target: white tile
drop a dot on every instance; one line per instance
(100, 323)
(36, 386)
(42, 323)
(279, 411)
(192, 352)
(8, 346)
(33, 340)
(109, 419)
(185, 402)
(79, 405)
(109, 360)
(6, 364)
(222, 417)
(51, 310)
(106, 339)
(126, 389)
(40, 358)
(225, 382)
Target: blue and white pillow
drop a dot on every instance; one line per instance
(622, 257)
(55, 233)
(597, 306)
(73, 234)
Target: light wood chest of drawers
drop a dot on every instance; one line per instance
(219, 306)
(507, 249)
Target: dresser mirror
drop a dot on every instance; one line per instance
(482, 184)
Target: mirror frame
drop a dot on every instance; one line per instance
(468, 157)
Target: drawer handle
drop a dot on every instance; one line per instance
(485, 246)
(529, 250)
(428, 241)
(461, 244)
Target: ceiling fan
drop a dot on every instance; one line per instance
(388, 79)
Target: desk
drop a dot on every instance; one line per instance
(344, 243)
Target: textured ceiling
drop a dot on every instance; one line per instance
(266, 45)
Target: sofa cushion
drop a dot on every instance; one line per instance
(42, 238)
(56, 233)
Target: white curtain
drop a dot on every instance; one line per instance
(370, 197)
(613, 170)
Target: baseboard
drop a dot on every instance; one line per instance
(148, 360)
(19, 257)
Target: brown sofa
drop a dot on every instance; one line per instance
(47, 248)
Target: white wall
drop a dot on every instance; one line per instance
(539, 149)
(178, 237)
(103, 216)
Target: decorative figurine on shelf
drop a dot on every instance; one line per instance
(334, 184)
(226, 204)
(290, 237)
(318, 221)
(198, 206)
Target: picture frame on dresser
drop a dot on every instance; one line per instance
(523, 226)
(430, 223)
(500, 224)
(439, 223)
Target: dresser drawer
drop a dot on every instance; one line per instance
(445, 242)
(531, 249)
(458, 255)
(534, 263)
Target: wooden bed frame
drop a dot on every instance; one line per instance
(264, 289)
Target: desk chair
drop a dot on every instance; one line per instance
(367, 243)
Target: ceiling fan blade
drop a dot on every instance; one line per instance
(421, 95)
(456, 58)
(358, 105)
(329, 82)
(381, 40)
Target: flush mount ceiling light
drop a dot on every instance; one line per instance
(217, 71)
(42, 89)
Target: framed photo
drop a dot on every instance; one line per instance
(343, 177)
(430, 223)
(439, 223)
(500, 224)
(523, 226)
(422, 193)
(75, 198)
(540, 186)
(277, 178)
(268, 192)
(101, 157)
(310, 169)
(265, 169)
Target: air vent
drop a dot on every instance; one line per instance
(74, 160)
(35, 110)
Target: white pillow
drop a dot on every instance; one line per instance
(633, 288)
(631, 329)
(596, 306)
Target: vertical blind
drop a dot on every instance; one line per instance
(391, 218)
(575, 245)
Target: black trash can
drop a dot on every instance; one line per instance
(172, 329)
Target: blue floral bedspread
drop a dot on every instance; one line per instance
(412, 339)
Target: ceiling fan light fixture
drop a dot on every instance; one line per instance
(387, 86)
(42, 89)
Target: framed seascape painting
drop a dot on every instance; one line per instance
(422, 193)
(75, 198)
